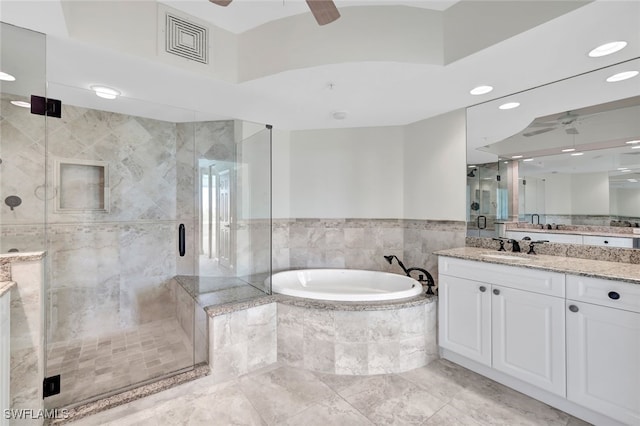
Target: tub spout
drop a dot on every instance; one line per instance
(424, 277)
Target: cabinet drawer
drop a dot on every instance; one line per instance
(543, 282)
(593, 240)
(603, 292)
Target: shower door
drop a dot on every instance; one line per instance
(483, 197)
(119, 186)
(22, 140)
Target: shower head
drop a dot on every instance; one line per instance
(389, 258)
(471, 173)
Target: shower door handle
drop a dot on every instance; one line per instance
(181, 244)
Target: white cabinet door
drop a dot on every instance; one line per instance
(528, 337)
(465, 317)
(603, 360)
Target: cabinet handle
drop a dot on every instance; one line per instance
(614, 295)
(483, 288)
(606, 242)
(573, 308)
(496, 291)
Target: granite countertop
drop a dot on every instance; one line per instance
(5, 287)
(22, 257)
(627, 272)
(576, 232)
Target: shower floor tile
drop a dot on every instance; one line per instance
(93, 366)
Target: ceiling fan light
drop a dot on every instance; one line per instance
(622, 76)
(607, 49)
(481, 90)
(509, 105)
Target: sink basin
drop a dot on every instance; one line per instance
(503, 257)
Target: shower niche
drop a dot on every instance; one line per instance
(81, 186)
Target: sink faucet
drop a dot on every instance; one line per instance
(531, 250)
(515, 246)
(424, 277)
(501, 241)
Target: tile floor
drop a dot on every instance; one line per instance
(441, 393)
(93, 366)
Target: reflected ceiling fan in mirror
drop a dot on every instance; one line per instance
(325, 11)
(567, 120)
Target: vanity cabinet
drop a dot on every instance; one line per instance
(508, 318)
(603, 346)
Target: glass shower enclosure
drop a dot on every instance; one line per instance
(106, 190)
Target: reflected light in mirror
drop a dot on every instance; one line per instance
(568, 150)
(633, 142)
(509, 105)
(635, 147)
(622, 76)
(528, 159)
(607, 49)
(575, 154)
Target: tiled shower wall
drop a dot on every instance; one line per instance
(106, 269)
(362, 243)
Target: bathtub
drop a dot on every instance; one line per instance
(344, 285)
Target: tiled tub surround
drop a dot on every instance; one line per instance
(362, 243)
(578, 251)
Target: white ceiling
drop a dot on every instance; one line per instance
(243, 15)
(372, 93)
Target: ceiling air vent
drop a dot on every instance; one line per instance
(186, 39)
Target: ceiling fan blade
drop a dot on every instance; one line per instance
(537, 132)
(325, 11)
(221, 2)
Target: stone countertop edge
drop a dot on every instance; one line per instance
(617, 271)
(22, 257)
(331, 305)
(5, 287)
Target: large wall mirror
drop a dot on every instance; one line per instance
(565, 163)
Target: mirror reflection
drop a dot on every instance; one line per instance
(572, 173)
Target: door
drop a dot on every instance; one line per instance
(465, 318)
(225, 246)
(603, 360)
(528, 337)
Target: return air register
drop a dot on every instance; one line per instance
(186, 39)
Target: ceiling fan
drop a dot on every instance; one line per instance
(325, 11)
(568, 121)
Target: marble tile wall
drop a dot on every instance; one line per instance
(357, 342)
(362, 243)
(192, 319)
(27, 337)
(242, 341)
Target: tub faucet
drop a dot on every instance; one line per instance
(424, 277)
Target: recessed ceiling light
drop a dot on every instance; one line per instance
(575, 154)
(607, 49)
(516, 156)
(510, 105)
(633, 142)
(568, 150)
(481, 90)
(21, 104)
(105, 92)
(528, 159)
(622, 76)
(471, 167)
(6, 77)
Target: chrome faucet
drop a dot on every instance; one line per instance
(424, 277)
